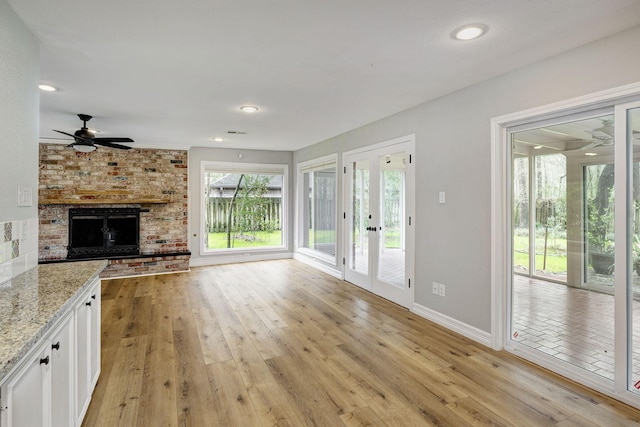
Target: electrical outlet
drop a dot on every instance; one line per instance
(441, 290)
(436, 288)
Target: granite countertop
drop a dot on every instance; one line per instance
(31, 303)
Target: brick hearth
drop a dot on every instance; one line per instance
(155, 180)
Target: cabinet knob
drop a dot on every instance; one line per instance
(56, 346)
(44, 361)
(88, 303)
(93, 296)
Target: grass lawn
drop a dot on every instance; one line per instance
(556, 254)
(555, 264)
(262, 239)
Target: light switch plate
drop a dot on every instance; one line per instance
(441, 197)
(25, 196)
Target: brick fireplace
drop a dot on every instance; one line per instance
(152, 180)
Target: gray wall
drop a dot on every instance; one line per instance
(199, 154)
(453, 240)
(18, 115)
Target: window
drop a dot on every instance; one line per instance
(244, 206)
(317, 207)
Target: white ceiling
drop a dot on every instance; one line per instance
(173, 74)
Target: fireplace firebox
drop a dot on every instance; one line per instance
(103, 232)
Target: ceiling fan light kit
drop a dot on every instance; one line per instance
(84, 148)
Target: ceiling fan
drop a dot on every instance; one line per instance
(603, 136)
(85, 140)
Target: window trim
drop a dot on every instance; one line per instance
(258, 168)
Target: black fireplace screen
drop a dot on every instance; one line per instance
(103, 232)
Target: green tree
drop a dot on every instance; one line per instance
(231, 206)
(249, 208)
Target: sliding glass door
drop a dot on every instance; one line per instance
(575, 247)
(630, 286)
(562, 220)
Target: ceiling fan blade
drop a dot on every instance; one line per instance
(52, 137)
(107, 139)
(586, 147)
(112, 145)
(75, 137)
(65, 133)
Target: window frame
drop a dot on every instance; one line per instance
(303, 168)
(253, 168)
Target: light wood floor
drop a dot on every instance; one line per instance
(279, 343)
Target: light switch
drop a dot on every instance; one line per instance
(441, 197)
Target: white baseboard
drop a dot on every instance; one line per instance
(232, 259)
(461, 328)
(318, 264)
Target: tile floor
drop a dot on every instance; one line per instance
(391, 268)
(572, 324)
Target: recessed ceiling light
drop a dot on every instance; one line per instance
(469, 32)
(47, 88)
(537, 147)
(249, 108)
(218, 139)
(590, 154)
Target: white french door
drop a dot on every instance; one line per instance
(379, 202)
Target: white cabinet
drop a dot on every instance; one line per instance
(52, 385)
(40, 391)
(87, 313)
(24, 395)
(63, 376)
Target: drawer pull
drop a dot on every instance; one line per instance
(56, 346)
(88, 303)
(44, 361)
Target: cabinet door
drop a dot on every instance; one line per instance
(94, 359)
(83, 347)
(62, 376)
(26, 395)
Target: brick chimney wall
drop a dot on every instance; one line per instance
(115, 176)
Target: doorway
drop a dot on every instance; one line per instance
(379, 202)
(569, 195)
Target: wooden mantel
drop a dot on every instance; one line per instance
(102, 201)
(108, 197)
